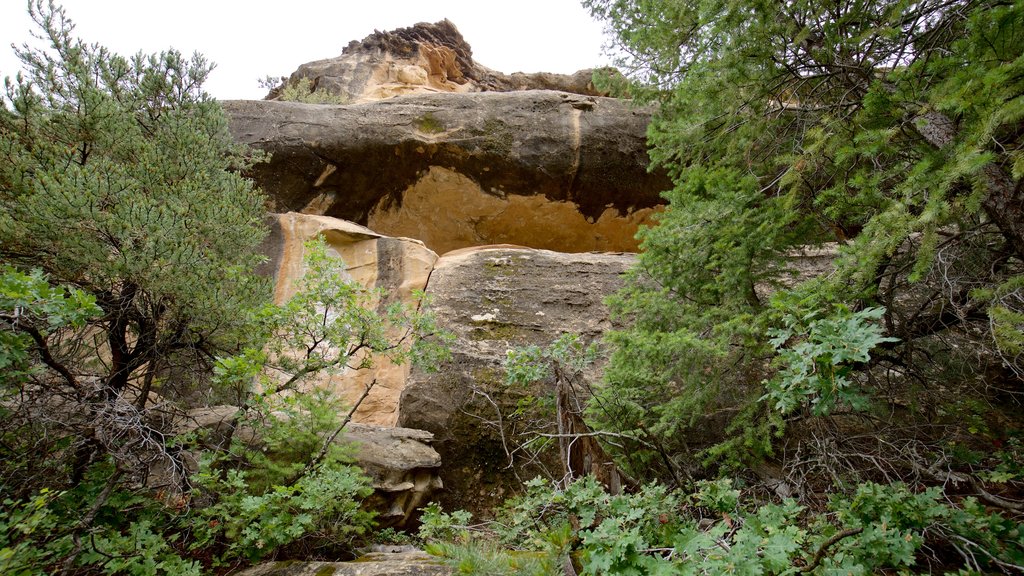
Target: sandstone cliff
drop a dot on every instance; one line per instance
(398, 265)
(420, 59)
(494, 298)
(517, 179)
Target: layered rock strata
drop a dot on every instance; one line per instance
(402, 465)
(421, 59)
(494, 298)
(537, 168)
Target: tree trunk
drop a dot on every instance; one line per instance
(1004, 201)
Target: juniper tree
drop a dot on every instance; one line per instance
(889, 127)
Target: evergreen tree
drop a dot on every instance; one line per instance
(889, 127)
(119, 180)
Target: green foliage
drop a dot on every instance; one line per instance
(22, 527)
(816, 366)
(877, 529)
(143, 549)
(127, 248)
(717, 495)
(890, 129)
(289, 482)
(301, 90)
(131, 535)
(322, 505)
(483, 558)
(390, 536)
(292, 482)
(120, 177)
(436, 524)
(1006, 312)
(564, 360)
(30, 307)
(528, 364)
(120, 181)
(1010, 463)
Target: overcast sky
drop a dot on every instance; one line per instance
(249, 40)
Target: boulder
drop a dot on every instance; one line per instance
(402, 465)
(494, 298)
(537, 168)
(420, 59)
(400, 462)
(397, 265)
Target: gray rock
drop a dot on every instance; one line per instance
(374, 564)
(402, 465)
(494, 298)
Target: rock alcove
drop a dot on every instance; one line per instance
(530, 187)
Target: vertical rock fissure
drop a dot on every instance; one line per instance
(390, 270)
(577, 143)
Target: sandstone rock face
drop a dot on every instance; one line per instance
(421, 59)
(398, 265)
(494, 298)
(407, 563)
(536, 168)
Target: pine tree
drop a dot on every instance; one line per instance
(119, 180)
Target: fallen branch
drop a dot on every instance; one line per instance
(820, 554)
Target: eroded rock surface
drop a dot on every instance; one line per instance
(421, 59)
(536, 168)
(494, 298)
(403, 466)
(398, 265)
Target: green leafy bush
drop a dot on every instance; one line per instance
(301, 90)
(817, 355)
(715, 531)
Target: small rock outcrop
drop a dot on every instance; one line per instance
(494, 298)
(421, 59)
(408, 563)
(537, 168)
(402, 465)
(398, 265)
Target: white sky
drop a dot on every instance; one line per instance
(249, 40)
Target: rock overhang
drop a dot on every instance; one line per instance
(578, 162)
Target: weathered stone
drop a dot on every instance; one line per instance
(537, 168)
(412, 563)
(398, 265)
(421, 59)
(494, 298)
(402, 465)
(400, 462)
